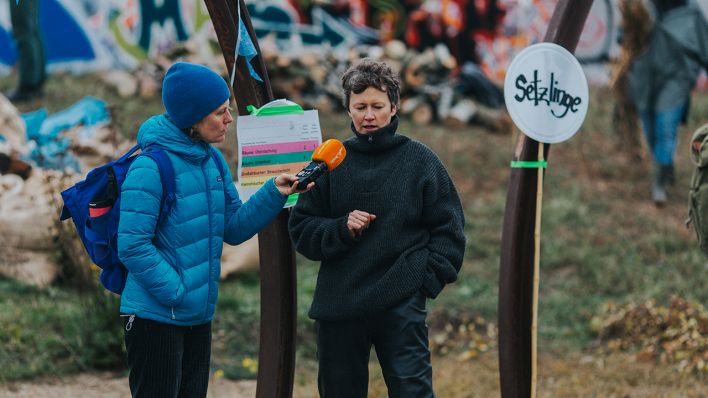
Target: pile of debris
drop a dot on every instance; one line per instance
(40, 156)
(464, 336)
(435, 88)
(675, 335)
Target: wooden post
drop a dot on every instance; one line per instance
(276, 356)
(518, 246)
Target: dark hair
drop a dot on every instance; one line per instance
(190, 131)
(369, 73)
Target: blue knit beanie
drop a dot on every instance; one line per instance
(190, 92)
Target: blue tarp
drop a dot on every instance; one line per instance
(48, 148)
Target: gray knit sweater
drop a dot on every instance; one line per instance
(416, 243)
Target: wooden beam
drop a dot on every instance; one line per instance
(276, 356)
(515, 307)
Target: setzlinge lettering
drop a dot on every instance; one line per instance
(535, 92)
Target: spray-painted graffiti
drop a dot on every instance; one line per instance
(87, 35)
(84, 35)
(64, 37)
(525, 23)
(283, 20)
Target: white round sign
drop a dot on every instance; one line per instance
(546, 93)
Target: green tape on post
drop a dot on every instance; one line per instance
(275, 110)
(519, 164)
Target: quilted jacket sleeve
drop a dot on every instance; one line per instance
(139, 210)
(243, 220)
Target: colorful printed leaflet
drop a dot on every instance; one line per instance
(261, 162)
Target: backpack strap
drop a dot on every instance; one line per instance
(220, 165)
(217, 159)
(167, 177)
(128, 154)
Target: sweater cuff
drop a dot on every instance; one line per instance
(344, 234)
(431, 285)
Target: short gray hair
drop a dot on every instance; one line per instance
(369, 73)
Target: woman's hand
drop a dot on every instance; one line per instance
(283, 181)
(358, 221)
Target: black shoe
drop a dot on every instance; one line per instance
(667, 176)
(25, 94)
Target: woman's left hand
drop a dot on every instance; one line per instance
(283, 181)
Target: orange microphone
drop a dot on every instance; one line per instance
(326, 157)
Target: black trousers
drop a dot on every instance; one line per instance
(167, 360)
(400, 337)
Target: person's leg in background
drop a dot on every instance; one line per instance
(660, 129)
(666, 128)
(31, 72)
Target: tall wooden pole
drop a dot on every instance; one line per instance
(276, 356)
(518, 247)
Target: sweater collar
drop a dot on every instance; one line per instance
(379, 140)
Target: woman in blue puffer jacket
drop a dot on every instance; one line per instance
(174, 267)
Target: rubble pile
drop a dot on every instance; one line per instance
(675, 335)
(435, 88)
(34, 244)
(41, 155)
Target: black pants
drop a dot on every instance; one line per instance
(167, 360)
(399, 336)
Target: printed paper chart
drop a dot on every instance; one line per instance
(271, 145)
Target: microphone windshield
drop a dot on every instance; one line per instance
(331, 152)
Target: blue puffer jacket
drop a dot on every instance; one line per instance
(174, 268)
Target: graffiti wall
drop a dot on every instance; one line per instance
(82, 35)
(525, 23)
(88, 35)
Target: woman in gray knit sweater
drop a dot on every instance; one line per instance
(388, 228)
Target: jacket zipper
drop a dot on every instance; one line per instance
(181, 278)
(129, 325)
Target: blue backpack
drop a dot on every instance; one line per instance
(94, 205)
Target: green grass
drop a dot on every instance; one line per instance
(602, 239)
(56, 331)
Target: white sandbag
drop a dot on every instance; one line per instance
(36, 268)
(124, 82)
(241, 258)
(13, 127)
(10, 186)
(462, 112)
(28, 215)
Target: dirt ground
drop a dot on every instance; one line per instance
(575, 375)
(106, 385)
